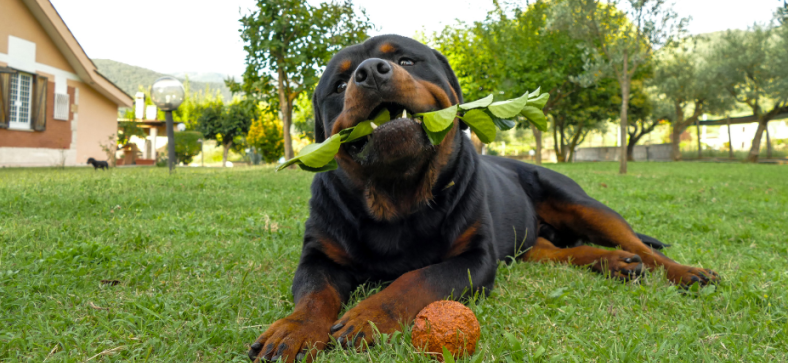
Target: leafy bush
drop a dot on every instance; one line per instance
(265, 135)
(187, 145)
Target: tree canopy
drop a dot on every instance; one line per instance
(751, 68)
(620, 37)
(287, 42)
(227, 124)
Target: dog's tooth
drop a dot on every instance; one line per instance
(374, 126)
(404, 114)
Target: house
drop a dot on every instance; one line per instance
(55, 107)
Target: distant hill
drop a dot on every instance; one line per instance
(129, 77)
(209, 77)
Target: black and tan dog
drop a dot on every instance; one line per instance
(98, 164)
(435, 220)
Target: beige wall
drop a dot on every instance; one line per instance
(96, 120)
(16, 20)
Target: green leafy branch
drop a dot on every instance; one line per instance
(483, 116)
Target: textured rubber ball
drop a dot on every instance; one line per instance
(446, 324)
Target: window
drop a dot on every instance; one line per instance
(23, 100)
(21, 92)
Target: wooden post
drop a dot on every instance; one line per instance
(697, 128)
(730, 140)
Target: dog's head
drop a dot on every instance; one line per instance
(401, 75)
(91, 160)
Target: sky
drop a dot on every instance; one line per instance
(202, 36)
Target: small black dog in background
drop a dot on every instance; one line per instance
(98, 164)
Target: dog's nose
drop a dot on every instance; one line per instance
(373, 73)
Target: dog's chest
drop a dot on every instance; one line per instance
(402, 247)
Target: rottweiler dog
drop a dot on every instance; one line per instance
(98, 164)
(432, 220)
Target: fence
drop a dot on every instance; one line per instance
(659, 152)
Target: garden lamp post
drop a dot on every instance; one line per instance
(202, 152)
(168, 94)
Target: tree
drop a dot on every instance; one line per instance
(508, 56)
(579, 113)
(286, 42)
(751, 68)
(683, 76)
(618, 40)
(227, 124)
(265, 136)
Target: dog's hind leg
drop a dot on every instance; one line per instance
(562, 204)
(617, 263)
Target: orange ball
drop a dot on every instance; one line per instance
(446, 324)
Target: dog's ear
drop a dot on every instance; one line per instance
(453, 81)
(320, 130)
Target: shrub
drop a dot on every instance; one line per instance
(187, 145)
(265, 135)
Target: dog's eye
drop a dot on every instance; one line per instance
(341, 87)
(406, 62)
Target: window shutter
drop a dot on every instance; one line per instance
(61, 106)
(39, 114)
(5, 106)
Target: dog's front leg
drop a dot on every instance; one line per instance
(320, 287)
(472, 271)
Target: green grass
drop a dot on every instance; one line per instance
(205, 259)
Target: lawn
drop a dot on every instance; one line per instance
(203, 262)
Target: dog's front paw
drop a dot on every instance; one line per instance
(358, 327)
(295, 338)
(685, 276)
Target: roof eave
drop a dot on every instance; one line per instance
(67, 44)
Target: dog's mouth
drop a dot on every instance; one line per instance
(402, 121)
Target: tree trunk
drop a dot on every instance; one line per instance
(631, 148)
(286, 108)
(697, 131)
(675, 139)
(227, 147)
(477, 143)
(556, 144)
(768, 144)
(624, 80)
(730, 139)
(570, 152)
(756, 142)
(622, 168)
(538, 137)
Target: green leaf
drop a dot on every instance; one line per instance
(316, 156)
(437, 137)
(502, 124)
(508, 108)
(482, 103)
(535, 93)
(481, 124)
(330, 166)
(359, 131)
(438, 121)
(447, 357)
(536, 116)
(540, 101)
(382, 117)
